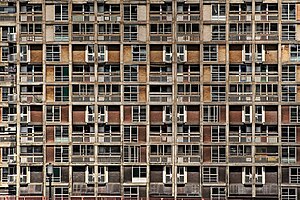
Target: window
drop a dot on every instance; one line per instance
(181, 114)
(61, 134)
(130, 32)
(218, 72)
(24, 53)
(289, 93)
(247, 175)
(83, 28)
(167, 53)
(61, 12)
(240, 150)
(218, 93)
(160, 28)
(247, 53)
(61, 154)
(130, 73)
(24, 174)
(109, 28)
(131, 153)
(61, 32)
(218, 32)
(218, 12)
(217, 193)
(295, 114)
(102, 53)
(218, 154)
(288, 134)
(259, 175)
(31, 28)
(61, 73)
(260, 114)
(289, 11)
(167, 176)
(181, 53)
(289, 193)
(4, 57)
(187, 28)
(90, 53)
(139, 174)
(187, 8)
(294, 175)
(295, 53)
(139, 53)
(131, 192)
(181, 175)
(210, 174)
(160, 150)
(52, 52)
(53, 113)
(130, 12)
(61, 93)
(109, 151)
(218, 134)
(288, 155)
(210, 113)
(89, 174)
(210, 52)
(61, 192)
(167, 114)
(188, 150)
(288, 32)
(83, 8)
(102, 174)
(288, 72)
(130, 133)
(56, 174)
(83, 150)
(131, 93)
(139, 113)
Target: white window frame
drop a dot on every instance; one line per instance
(212, 113)
(25, 113)
(102, 53)
(289, 93)
(142, 174)
(218, 12)
(181, 175)
(209, 176)
(181, 114)
(61, 153)
(210, 52)
(218, 32)
(131, 73)
(294, 52)
(62, 132)
(247, 114)
(220, 158)
(260, 114)
(139, 113)
(131, 32)
(102, 174)
(167, 175)
(288, 134)
(131, 192)
(139, 53)
(102, 114)
(24, 174)
(131, 133)
(131, 93)
(289, 15)
(52, 117)
(260, 176)
(61, 12)
(167, 114)
(89, 174)
(218, 93)
(90, 53)
(51, 54)
(218, 134)
(130, 12)
(24, 54)
(289, 72)
(289, 193)
(290, 150)
(217, 193)
(181, 53)
(289, 32)
(247, 53)
(167, 53)
(218, 73)
(247, 175)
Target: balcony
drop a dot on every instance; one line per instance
(7, 138)
(269, 158)
(32, 188)
(244, 36)
(161, 77)
(184, 37)
(7, 79)
(84, 77)
(189, 190)
(188, 97)
(83, 158)
(109, 77)
(111, 159)
(108, 37)
(240, 78)
(164, 159)
(109, 137)
(160, 189)
(188, 78)
(267, 189)
(160, 97)
(32, 158)
(239, 189)
(30, 98)
(266, 16)
(160, 17)
(113, 97)
(240, 16)
(188, 159)
(271, 35)
(161, 37)
(31, 78)
(79, 97)
(82, 189)
(83, 137)
(30, 138)
(240, 97)
(110, 189)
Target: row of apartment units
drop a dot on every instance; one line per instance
(150, 99)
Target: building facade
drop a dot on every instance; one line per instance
(150, 99)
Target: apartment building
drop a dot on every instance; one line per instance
(150, 99)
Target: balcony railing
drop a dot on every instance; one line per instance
(27, 98)
(188, 78)
(83, 77)
(160, 97)
(31, 78)
(181, 37)
(269, 158)
(239, 189)
(160, 77)
(83, 97)
(83, 137)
